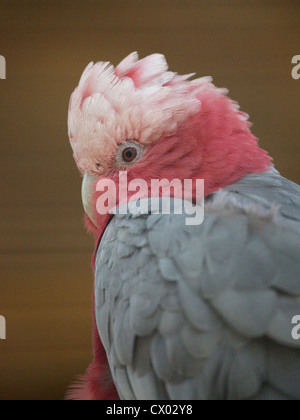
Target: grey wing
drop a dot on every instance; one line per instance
(270, 188)
(202, 312)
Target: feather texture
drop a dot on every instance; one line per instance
(221, 331)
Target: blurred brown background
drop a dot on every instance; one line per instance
(46, 281)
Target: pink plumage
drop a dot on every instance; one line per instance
(137, 100)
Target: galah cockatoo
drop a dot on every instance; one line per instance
(184, 311)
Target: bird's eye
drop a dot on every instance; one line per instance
(129, 153)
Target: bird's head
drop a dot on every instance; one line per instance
(154, 124)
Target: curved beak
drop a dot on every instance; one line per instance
(87, 190)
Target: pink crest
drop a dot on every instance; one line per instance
(139, 99)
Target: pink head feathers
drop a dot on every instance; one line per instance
(190, 128)
(139, 99)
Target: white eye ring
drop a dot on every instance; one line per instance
(129, 153)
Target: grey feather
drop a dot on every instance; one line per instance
(147, 385)
(269, 393)
(204, 312)
(185, 390)
(196, 310)
(170, 323)
(248, 312)
(123, 384)
(103, 324)
(124, 339)
(284, 370)
(180, 360)
(168, 269)
(246, 372)
(280, 326)
(200, 344)
(160, 361)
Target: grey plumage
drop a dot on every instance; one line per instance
(204, 312)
